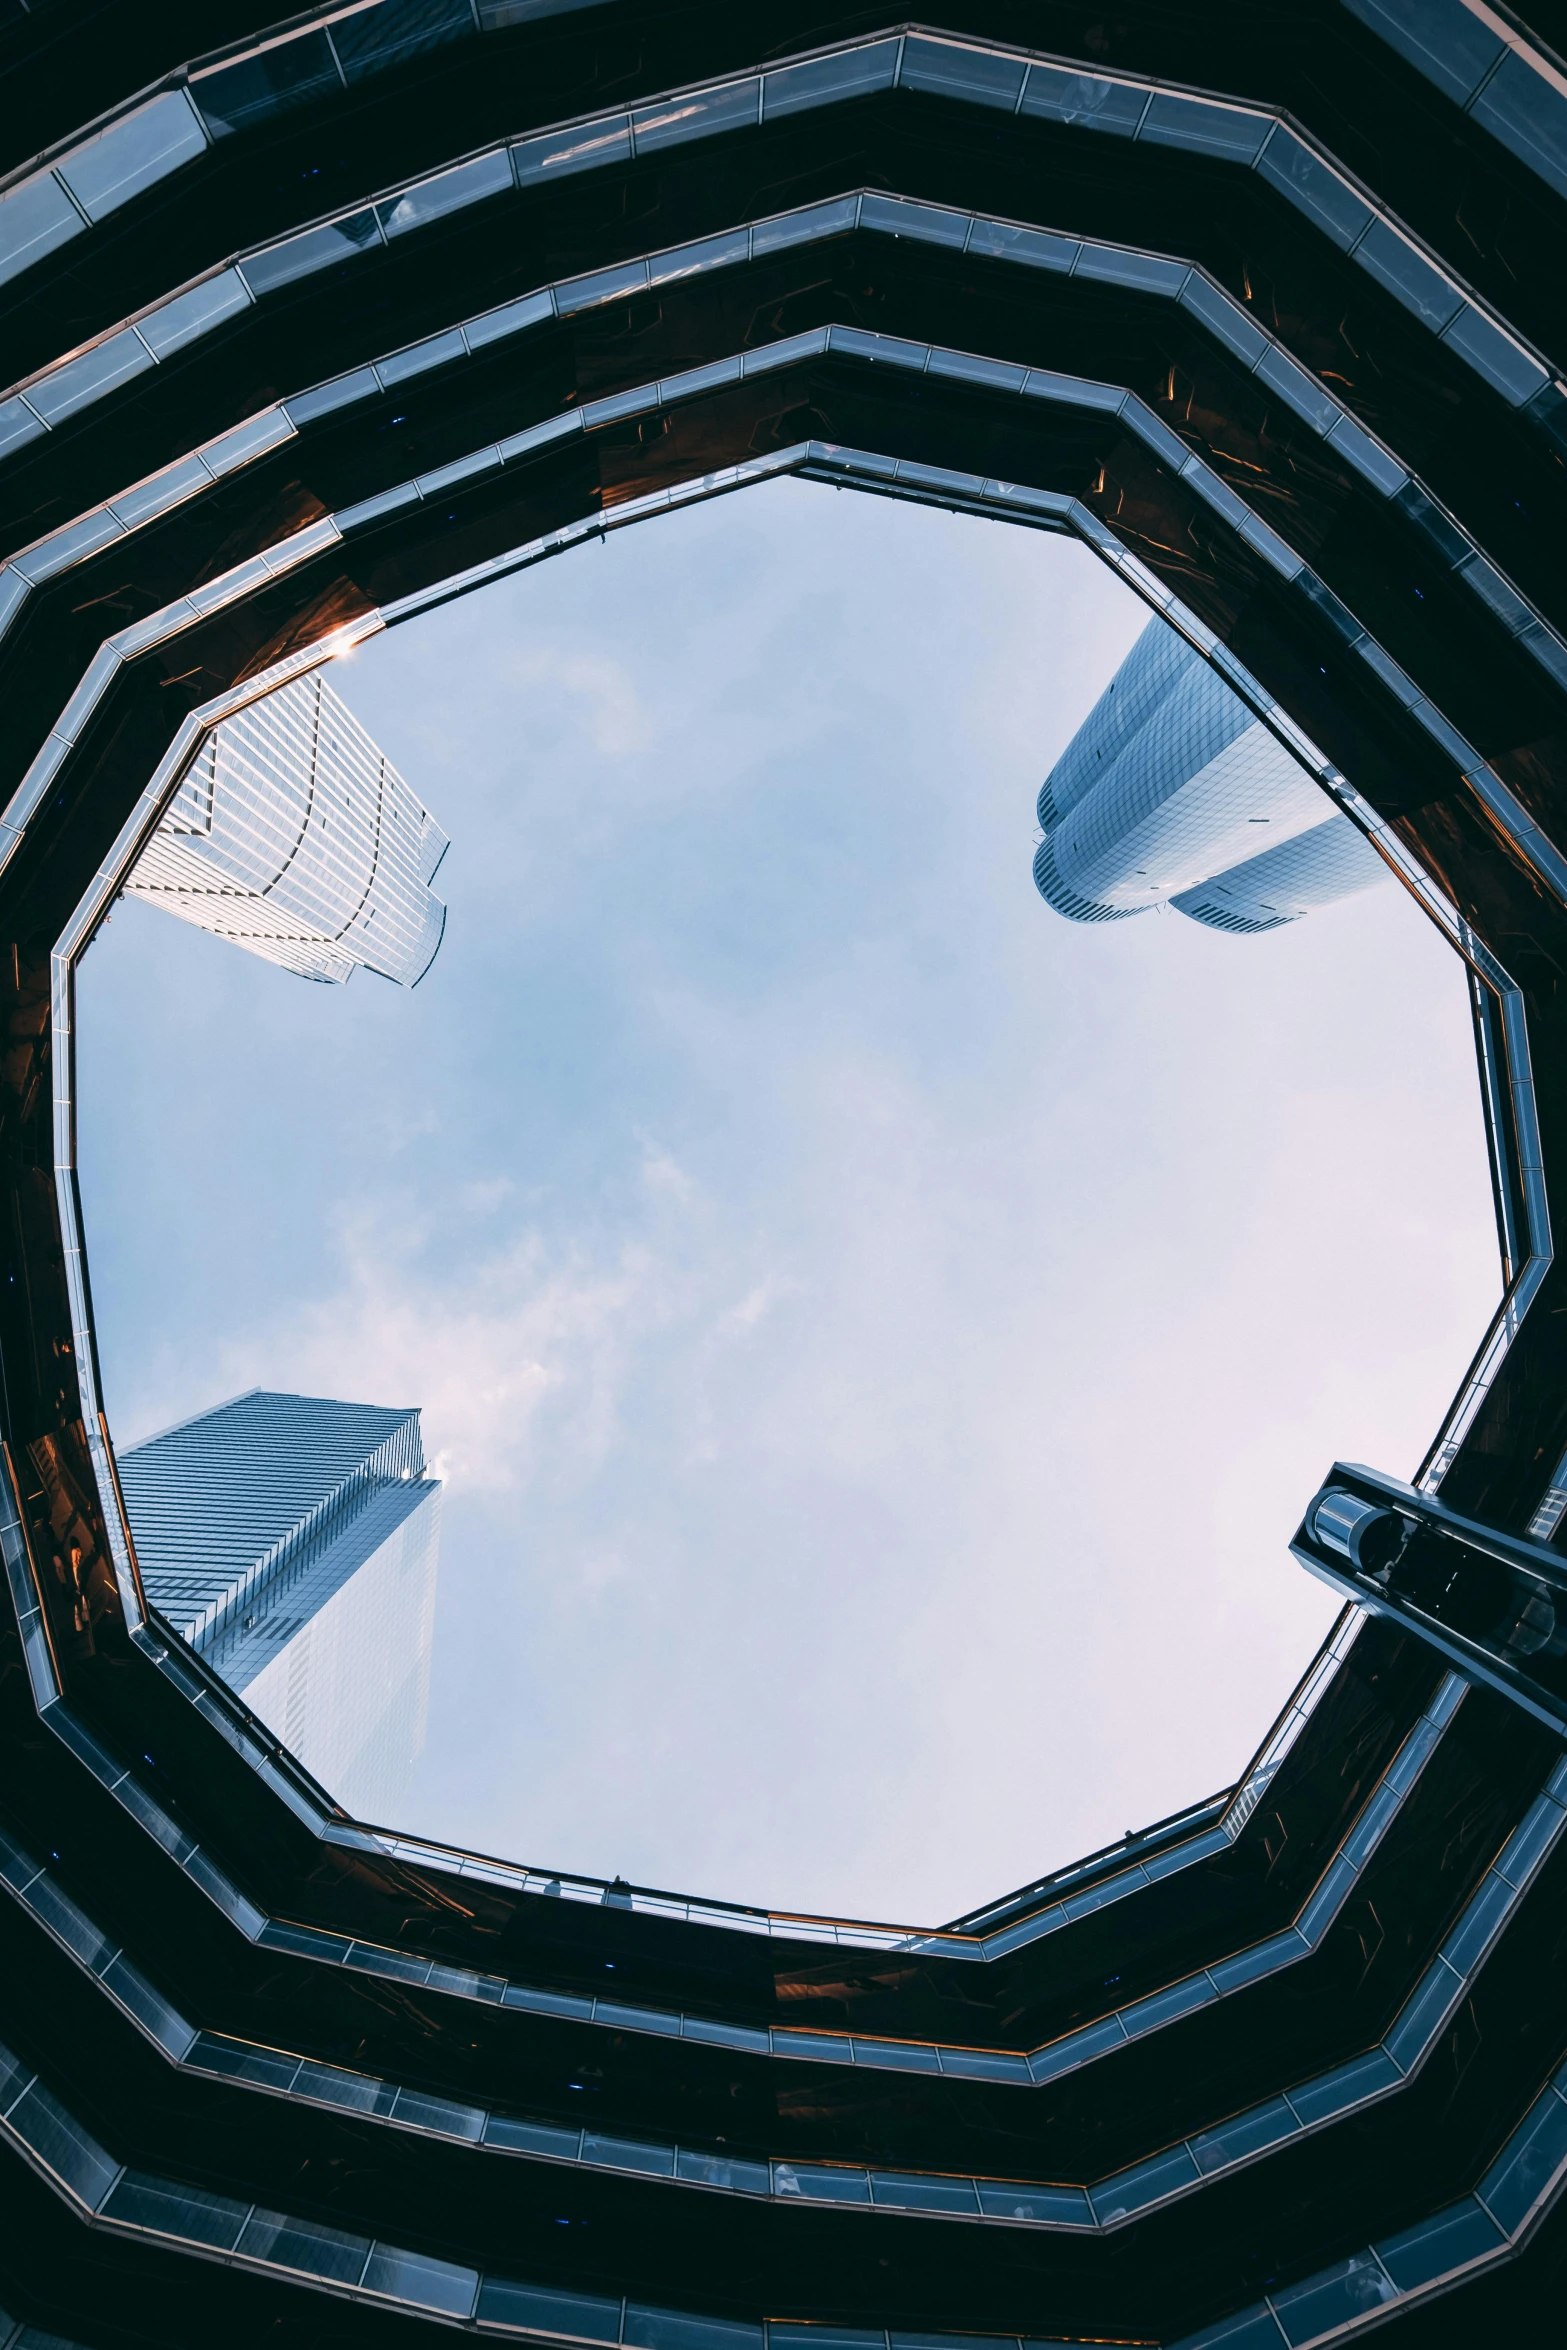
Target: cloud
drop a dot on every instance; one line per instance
(526, 1356)
(610, 710)
(752, 1310)
(879, 1336)
(488, 1349)
(663, 1173)
(487, 1192)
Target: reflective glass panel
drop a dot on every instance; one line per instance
(895, 218)
(412, 2276)
(978, 75)
(1145, 270)
(1144, 2183)
(1335, 2297)
(1422, 2015)
(1247, 2134)
(318, 248)
(748, 2036)
(18, 425)
(543, 2310)
(188, 2212)
(1249, 2329)
(1060, 2206)
(1346, 2085)
(1176, 121)
(602, 285)
(1150, 2014)
(305, 407)
(371, 1959)
(1408, 275)
(270, 2068)
(902, 2193)
(14, 2075)
(1035, 248)
(717, 2170)
(821, 2186)
(695, 260)
(897, 2056)
(1528, 2162)
(676, 2329)
(1450, 44)
(1077, 2048)
(1496, 356)
(420, 357)
(1224, 318)
(811, 2337)
(396, 32)
(1487, 1907)
(1445, 2241)
(824, 81)
(1528, 113)
(510, 319)
(291, 74)
(1327, 1900)
(59, 2140)
(60, 1914)
(547, 2002)
(1534, 1835)
(278, 1934)
(303, 2244)
(1084, 99)
(626, 2154)
(196, 313)
(133, 154)
(34, 219)
(60, 393)
(984, 2064)
(698, 116)
(637, 2019)
(486, 175)
(522, 2137)
(555, 153)
(153, 2012)
(330, 2084)
(1298, 389)
(1313, 187)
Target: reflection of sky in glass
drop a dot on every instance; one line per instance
(879, 1336)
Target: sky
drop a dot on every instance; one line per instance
(878, 1337)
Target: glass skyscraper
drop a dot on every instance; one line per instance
(294, 835)
(293, 1541)
(1172, 793)
(366, 308)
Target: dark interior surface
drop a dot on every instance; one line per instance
(1281, 2068)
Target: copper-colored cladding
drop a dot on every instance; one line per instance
(210, 1835)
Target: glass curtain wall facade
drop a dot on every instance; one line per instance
(1171, 792)
(294, 836)
(312, 323)
(293, 1542)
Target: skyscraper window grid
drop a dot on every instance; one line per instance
(1345, 84)
(293, 1541)
(1171, 791)
(293, 836)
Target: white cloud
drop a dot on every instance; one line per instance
(487, 1350)
(615, 717)
(878, 1389)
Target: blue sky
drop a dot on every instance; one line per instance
(878, 1336)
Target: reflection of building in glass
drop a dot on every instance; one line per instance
(1172, 792)
(294, 836)
(293, 1541)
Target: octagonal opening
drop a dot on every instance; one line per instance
(876, 1335)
